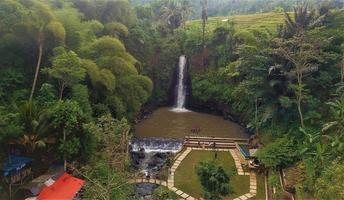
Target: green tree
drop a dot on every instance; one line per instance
(280, 153)
(342, 66)
(303, 19)
(214, 180)
(81, 95)
(302, 54)
(116, 29)
(36, 128)
(106, 176)
(44, 24)
(204, 17)
(67, 69)
(67, 118)
(172, 14)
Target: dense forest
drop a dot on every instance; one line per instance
(76, 75)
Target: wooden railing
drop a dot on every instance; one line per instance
(213, 142)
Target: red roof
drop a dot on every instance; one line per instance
(64, 188)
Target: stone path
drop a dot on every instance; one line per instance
(234, 153)
(149, 180)
(170, 180)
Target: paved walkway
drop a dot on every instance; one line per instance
(234, 153)
(149, 180)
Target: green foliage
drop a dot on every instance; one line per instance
(80, 94)
(69, 147)
(9, 125)
(116, 29)
(105, 46)
(108, 182)
(330, 184)
(108, 49)
(164, 193)
(280, 153)
(213, 179)
(47, 95)
(67, 116)
(67, 69)
(12, 78)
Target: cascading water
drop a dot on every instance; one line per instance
(181, 88)
(150, 154)
(156, 145)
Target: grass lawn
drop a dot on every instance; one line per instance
(186, 178)
(3, 195)
(260, 187)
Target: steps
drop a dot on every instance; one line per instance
(212, 142)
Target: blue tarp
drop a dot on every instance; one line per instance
(15, 163)
(244, 150)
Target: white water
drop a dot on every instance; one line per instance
(156, 145)
(181, 89)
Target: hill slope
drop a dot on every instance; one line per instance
(260, 21)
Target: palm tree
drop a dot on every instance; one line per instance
(36, 125)
(204, 4)
(186, 10)
(171, 13)
(303, 18)
(44, 24)
(342, 66)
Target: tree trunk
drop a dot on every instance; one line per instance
(64, 154)
(299, 95)
(256, 116)
(40, 53)
(62, 87)
(342, 71)
(204, 21)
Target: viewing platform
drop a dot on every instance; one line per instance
(213, 142)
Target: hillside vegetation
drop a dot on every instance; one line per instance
(75, 75)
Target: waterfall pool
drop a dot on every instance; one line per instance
(168, 124)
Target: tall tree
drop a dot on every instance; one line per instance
(342, 66)
(186, 10)
(303, 19)
(302, 54)
(67, 69)
(107, 177)
(67, 118)
(171, 13)
(44, 24)
(204, 17)
(36, 125)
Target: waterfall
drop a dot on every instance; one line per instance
(149, 155)
(181, 89)
(161, 145)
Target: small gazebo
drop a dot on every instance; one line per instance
(16, 170)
